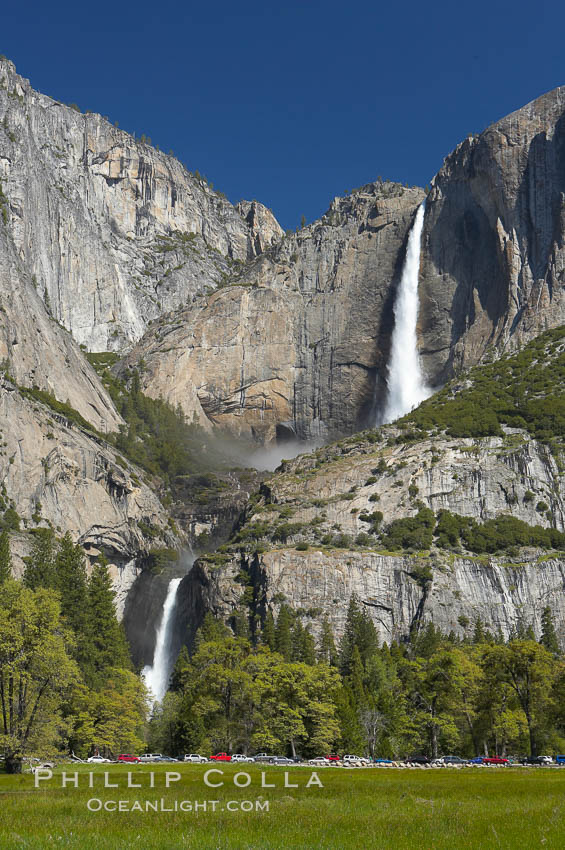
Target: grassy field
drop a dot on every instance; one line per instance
(471, 808)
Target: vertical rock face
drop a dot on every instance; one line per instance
(295, 344)
(36, 351)
(54, 472)
(265, 231)
(307, 342)
(310, 527)
(113, 232)
(493, 269)
(320, 584)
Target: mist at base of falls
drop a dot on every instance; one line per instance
(268, 458)
(406, 387)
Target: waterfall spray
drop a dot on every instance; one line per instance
(405, 383)
(157, 675)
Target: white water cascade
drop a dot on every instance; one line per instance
(405, 383)
(157, 675)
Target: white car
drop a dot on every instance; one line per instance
(350, 759)
(150, 756)
(319, 760)
(195, 758)
(239, 757)
(98, 760)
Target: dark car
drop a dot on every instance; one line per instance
(280, 760)
(535, 760)
(477, 760)
(559, 759)
(418, 760)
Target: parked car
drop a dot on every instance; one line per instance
(417, 760)
(450, 760)
(150, 757)
(495, 760)
(129, 759)
(476, 760)
(536, 760)
(319, 760)
(97, 760)
(220, 757)
(378, 761)
(239, 757)
(195, 758)
(263, 757)
(280, 760)
(351, 759)
(559, 759)
(333, 758)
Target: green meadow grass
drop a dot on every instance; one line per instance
(381, 808)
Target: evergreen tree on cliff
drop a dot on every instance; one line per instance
(108, 645)
(5, 557)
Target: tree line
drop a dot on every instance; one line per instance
(67, 683)
(283, 692)
(66, 679)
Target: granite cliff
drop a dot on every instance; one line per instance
(299, 339)
(493, 258)
(295, 344)
(108, 244)
(113, 231)
(450, 515)
(305, 540)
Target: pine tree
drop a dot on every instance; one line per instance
(283, 637)
(180, 670)
(349, 637)
(352, 738)
(5, 557)
(296, 639)
(327, 653)
(239, 622)
(40, 566)
(268, 633)
(479, 631)
(356, 678)
(211, 629)
(548, 635)
(108, 644)
(308, 651)
(71, 582)
(359, 632)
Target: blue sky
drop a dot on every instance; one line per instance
(295, 102)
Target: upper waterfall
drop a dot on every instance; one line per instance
(405, 383)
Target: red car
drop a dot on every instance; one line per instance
(333, 757)
(220, 757)
(494, 760)
(129, 759)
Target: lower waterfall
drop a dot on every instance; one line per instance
(405, 384)
(156, 676)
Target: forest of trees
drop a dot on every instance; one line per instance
(67, 683)
(66, 679)
(286, 693)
